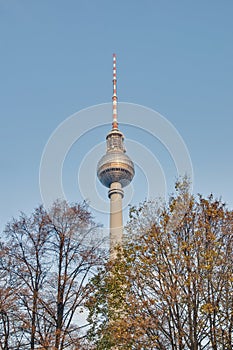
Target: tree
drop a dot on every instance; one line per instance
(48, 258)
(7, 304)
(171, 286)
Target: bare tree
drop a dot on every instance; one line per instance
(76, 253)
(48, 258)
(6, 304)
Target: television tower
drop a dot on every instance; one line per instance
(115, 170)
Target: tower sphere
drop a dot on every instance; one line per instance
(115, 165)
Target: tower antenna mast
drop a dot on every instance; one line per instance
(114, 96)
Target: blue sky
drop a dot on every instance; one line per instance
(175, 57)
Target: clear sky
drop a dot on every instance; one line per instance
(175, 57)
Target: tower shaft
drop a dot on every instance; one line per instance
(116, 221)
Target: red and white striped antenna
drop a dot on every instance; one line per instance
(114, 96)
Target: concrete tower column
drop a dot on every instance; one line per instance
(115, 170)
(116, 195)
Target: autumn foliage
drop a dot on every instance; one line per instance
(171, 286)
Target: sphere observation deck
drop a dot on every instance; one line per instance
(115, 165)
